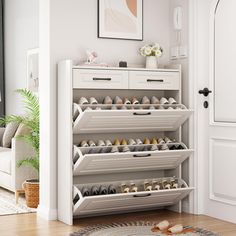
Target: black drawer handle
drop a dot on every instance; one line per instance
(155, 80)
(142, 114)
(147, 155)
(101, 79)
(143, 195)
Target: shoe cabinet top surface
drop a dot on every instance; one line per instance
(128, 68)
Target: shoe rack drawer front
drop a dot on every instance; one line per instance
(103, 204)
(109, 121)
(154, 80)
(100, 79)
(102, 163)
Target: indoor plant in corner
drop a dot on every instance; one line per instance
(31, 121)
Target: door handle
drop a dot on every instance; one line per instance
(143, 195)
(155, 80)
(101, 79)
(205, 92)
(142, 114)
(147, 155)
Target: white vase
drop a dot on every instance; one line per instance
(151, 62)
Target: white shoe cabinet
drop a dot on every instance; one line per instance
(89, 166)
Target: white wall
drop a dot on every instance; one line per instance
(66, 30)
(21, 34)
(76, 30)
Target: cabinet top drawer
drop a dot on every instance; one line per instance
(100, 79)
(154, 80)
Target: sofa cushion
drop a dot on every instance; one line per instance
(9, 134)
(22, 130)
(5, 160)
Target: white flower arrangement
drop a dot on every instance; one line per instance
(151, 50)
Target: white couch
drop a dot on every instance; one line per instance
(12, 177)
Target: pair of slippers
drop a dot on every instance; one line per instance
(166, 228)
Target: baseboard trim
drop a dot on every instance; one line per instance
(46, 213)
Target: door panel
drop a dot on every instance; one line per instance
(222, 170)
(216, 127)
(225, 51)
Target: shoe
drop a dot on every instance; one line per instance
(103, 190)
(145, 100)
(164, 101)
(127, 101)
(94, 190)
(154, 141)
(118, 101)
(135, 101)
(111, 189)
(134, 189)
(147, 186)
(138, 141)
(125, 149)
(108, 143)
(154, 148)
(176, 229)
(107, 100)
(146, 141)
(117, 142)
(124, 188)
(93, 101)
(131, 142)
(164, 147)
(101, 143)
(161, 141)
(83, 101)
(167, 140)
(165, 184)
(83, 144)
(123, 142)
(174, 183)
(114, 149)
(156, 185)
(85, 192)
(91, 143)
(155, 100)
(163, 225)
(172, 101)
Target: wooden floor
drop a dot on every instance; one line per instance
(31, 225)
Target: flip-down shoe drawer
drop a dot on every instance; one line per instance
(100, 79)
(125, 202)
(154, 80)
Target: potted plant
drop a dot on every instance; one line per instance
(151, 52)
(31, 121)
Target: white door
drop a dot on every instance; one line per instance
(216, 68)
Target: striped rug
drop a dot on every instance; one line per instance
(8, 204)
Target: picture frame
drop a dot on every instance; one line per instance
(33, 70)
(120, 19)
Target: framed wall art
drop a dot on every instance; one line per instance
(120, 19)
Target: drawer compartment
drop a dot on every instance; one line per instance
(125, 202)
(87, 161)
(110, 121)
(100, 79)
(154, 80)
